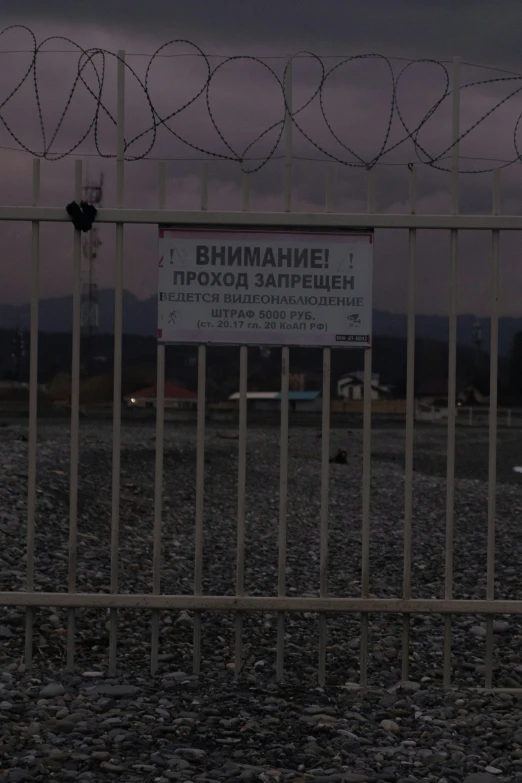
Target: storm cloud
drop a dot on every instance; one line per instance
(245, 99)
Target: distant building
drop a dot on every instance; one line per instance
(175, 397)
(351, 387)
(434, 392)
(271, 401)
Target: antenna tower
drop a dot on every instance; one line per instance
(93, 194)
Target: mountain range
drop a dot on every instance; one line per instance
(139, 318)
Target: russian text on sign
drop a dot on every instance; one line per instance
(265, 287)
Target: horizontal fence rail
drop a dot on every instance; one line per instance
(250, 603)
(345, 220)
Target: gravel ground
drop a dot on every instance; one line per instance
(173, 726)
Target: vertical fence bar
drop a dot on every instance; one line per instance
(493, 421)
(288, 133)
(370, 197)
(33, 414)
(452, 376)
(285, 362)
(240, 547)
(246, 191)
(366, 488)
(118, 334)
(162, 184)
(200, 468)
(241, 489)
(283, 505)
(366, 477)
(75, 420)
(200, 489)
(329, 188)
(325, 477)
(455, 137)
(204, 186)
(325, 473)
(410, 422)
(158, 501)
(158, 468)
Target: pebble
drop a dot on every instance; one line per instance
(52, 690)
(184, 619)
(117, 691)
(193, 753)
(16, 775)
(108, 767)
(405, 685)
(391, 726)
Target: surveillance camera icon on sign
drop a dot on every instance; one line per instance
(354, 319)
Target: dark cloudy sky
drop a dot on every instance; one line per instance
(245, 99)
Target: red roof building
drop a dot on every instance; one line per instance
(175, 397)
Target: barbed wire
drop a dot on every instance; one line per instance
(94, 61)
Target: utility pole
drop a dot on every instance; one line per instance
(476, 337)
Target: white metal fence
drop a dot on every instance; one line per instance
(469, 415)
(406, 604)
(479, 416)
